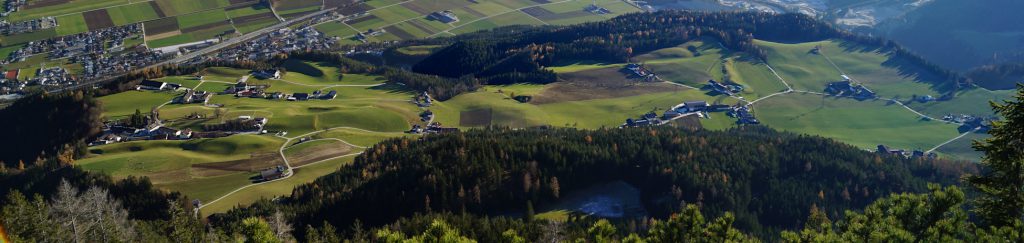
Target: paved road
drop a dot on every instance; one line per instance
(204, 51)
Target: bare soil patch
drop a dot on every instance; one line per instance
(98, 19)
(598, 84)
(361, 19)
(348, 8)
(539, 12)
(400, 33)
(254, 18)
(163, 35)
(205, 26)
(159, 26)
(319, 153)
(475, 118)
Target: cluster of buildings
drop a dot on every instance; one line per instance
(698, 107)
(7, 28)
(848, 88)
(433, 127)
(243, 89)
(446, 16)
(194, 97)
(723, 88)
(115, 132)
(596, 9)
(281, 41)
(53, 76)
(11, 6)
(970, 121)
(423, 100)
(96, 42)
(917, 153)
(157, 85)
(362, 36)
(641, 71)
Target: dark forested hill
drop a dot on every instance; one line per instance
(770, 180)
(998, 77)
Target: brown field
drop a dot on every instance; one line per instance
(98, 19)
(292, 15)
(544, 14)
(691, 122)
(427, 7)
(361, 19)
(598, 84)
(255, 163)
(319, 153)
(160, 26)
(254, 18)
(205, 26)
(170, 176)
(475, 118)
(44, 3)
(159, 11)
(399, 32)
(341, 4)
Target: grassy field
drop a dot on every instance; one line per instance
(359, 137)
(961, 148)
(181, 7)
(132, 13)
(125, 103)
(201, 18)
(864, 124)
(507, 19)
(276, 188)
(170, 164)
(889, 77)
(336, 28)
(972, 102)
(71, 24)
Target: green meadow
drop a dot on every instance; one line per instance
(125, 103)
(864, 124)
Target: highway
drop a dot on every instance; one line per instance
(204, 51)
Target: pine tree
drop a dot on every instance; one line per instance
(1002, 182)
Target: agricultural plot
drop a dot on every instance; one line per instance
(864, 124)
(187, 28)
(27, 37)
(336, 28)
(182, 7)
(287, 8)
(251, 18)
(58, 8)
(315, 151)
(359, 137)
(575, 12)
(430, 6)
(133, 13)
(71, 24)
(385, 16)
(276, 188)
(692, 64)
(961, 148)
(507, 19)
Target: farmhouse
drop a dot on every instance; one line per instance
(727, 89)
(194, 96)
(300, 96)
(330, 95)
(267, 74)
(882, 149)
(693, 106)
(151, 85)
(641, 71)
(274, 173)
(595, 9)
(446, 16)
(848, 88)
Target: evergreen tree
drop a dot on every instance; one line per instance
(255, 230)
(1002, 181)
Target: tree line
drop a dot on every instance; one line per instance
(768, 179)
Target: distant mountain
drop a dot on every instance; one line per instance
(953, 33)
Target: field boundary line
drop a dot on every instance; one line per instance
(499, 14)
(953, 139)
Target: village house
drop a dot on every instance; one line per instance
(299, 96)
(695, 106)
(848, 88)
(596, 9)
(274, 173)
(330, 95)
(195, 96)
(882, 149)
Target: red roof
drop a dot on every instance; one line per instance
(11, 74)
